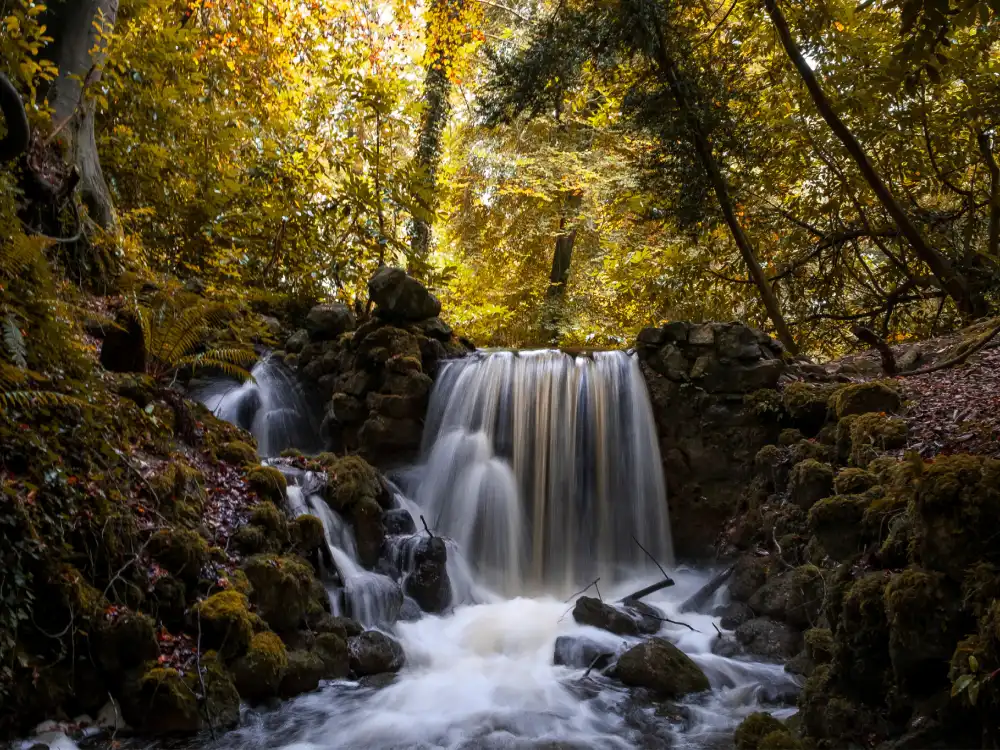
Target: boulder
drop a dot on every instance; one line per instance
(749, 574)
(165, 701)
(733, 615)
(398, 296)
(268, 483)
(238, 453)
(384, 436)
(297, 341)
(435, 328)
(769, 638)
(837, 524)
(386, 343)
(373, 652)
(325, 322)
(180, 552)
(399, 521)
(258, 673)
(795, 596)
(428, 584)
(225, 622)
(125, 643)
(861, 398)
(369, 531)
(347, 409)
(659, 666)
(760, 731)
(302, 673)
(284, 589)
(333, 651)
(594, 612)
(580, 652)
(647, 617)
(809, 482)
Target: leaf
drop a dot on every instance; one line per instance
(13, 342)
(961, 684)
(973, 663)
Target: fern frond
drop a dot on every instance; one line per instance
(20, 254)
(242, 357)
(35, 399)
(13, 342)
(179, 335)
(228, 368)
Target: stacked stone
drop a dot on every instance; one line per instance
(375, 378)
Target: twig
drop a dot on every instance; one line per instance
(585, 590)
(426, 527)
(652, 558)
(672, 622)
(201, 676)
(717, 630)
(592, 665)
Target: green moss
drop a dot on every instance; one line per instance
(268, 483)
(304, 671)
(252, 540)
(809, 482)
(126, 642)
(853, 481)
(874, 434)
(806, 403)
(165, 704)
(270, 518)
(283, 589)
(805, 450)
(880, 396)
(225, 622)
(179, 492)
(292, 453)
(307, 534)
(836, 523)
(980, 588)
(819, 645)
(790, 436)
(862, 638)
(754, 728)
(351, 480)
(771, 465)
(780, 740)
(258, 673)
(237, 452)
(181, 552)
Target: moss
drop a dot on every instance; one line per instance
(780, 740)
(836, 523)
(258, 673)
(401, 364)
(270, 518)
(252, 540)
(874, 434)
(771, 464)
(268, 483)
(225, 622)
(181, 552)
(810, 449)
(332, 649)
(237, 452)
(754, 728)
(853, 481)
(922, 612)
(351, 480)
(77, 595)
(790, 436)
(283, 589)
(307, 534)
(881, 396)
(164, 704)
(179, 493)
(862, 638)
(809, 482)
(819, 645)
(126, 642)
(806, 403)
(813, 701)
(980, 588)
(957, 504)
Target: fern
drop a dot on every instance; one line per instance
(232, 362)
(35, 399)
(13, 342)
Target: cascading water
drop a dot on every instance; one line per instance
(545, 468)
(270, 406)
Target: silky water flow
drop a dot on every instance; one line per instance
(542, 472)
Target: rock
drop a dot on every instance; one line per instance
(751, 733)
(302, 673)
(238, 453)
(660, 666)
(809, 482)
(702, 334)
(853, 481)
(435, 328)
(351, 480)
(769, 638)
(124, 346)
(651, 337)
(284, 589)
(594, 612)
(580, 652)
(297, 341)
(386, 343)
(410, 611)
(742, 378)
(125, 643)
(369, 532)
(795, 596)
(333, 652)
(259, 672)
(268, 483)
(326, 322)
(166, 702)
(373, 652)
(398, 521)
(671, 363)
(225, 622)
(647, 617)
(807, 404)
(861, 398)
(428, 584)
(837, 524)
(307, 534)
(110, 717)
(347, 409)
(385, 436)
(399, 296)
(749, 574)
(733, 615)
(180, 552)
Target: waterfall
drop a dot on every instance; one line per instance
(545, 468)
(271, 407)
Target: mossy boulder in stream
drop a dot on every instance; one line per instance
(754, 728)
(259, 672)
(181, 552)
(373, 652)
(594, 612)
(284, 589)
(306, 534)
(350, 480)
(238, 452)
(226, 623)
(659, 666)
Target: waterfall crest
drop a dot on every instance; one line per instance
(545, 468)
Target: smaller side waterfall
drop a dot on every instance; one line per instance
(271, 407)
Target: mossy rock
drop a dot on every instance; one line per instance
(259, 672)
(819, 645)
(980, 587)
(168, 599)
(226, 624)
(179, 492)
(268, 483)
(790, 436)
(873, 434)
(805, 450)
(772, 465)
(780, 740)
(75, 595)
(351, 480)
(862, 638)
(125, 643)
(238, 453)
(302, 673)
(164, 701)
(922, 610)
(795, 596)
(333, 650)
(284, 589)
(879, 396)
(957, 506)
(180, 552)
(754, 728)
(269, 517)
(307, 534)
(836, 523)
(659, 666)
(809, 482)
(369, 530)
(807, 404)
(253, 540)
(853, 481)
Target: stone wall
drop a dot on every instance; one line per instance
(373, 379)
(708, 383)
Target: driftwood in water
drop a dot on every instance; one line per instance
(651, 589)
(697, 601)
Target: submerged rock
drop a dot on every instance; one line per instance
(373, 652)
(428, 584)
(660, 666)
(580, 652)
(594, 612)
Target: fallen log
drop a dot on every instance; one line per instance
(701, 597)
(651, 589)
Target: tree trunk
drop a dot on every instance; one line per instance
(986, 149)
(953, 282)
(562, 258)
(78, 51)
(437, 90)
(721, 189)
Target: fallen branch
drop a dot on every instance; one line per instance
(655, 562)
(672, 622)
(867, 336)
(426, 527)
(651, 589)
(698, 600)
(958, 358)
(592, 584)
